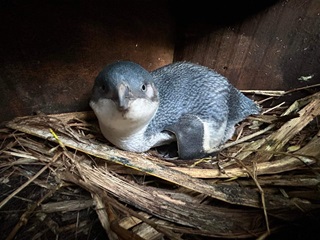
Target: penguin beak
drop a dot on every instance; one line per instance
(123, 97)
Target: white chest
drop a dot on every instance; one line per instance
(127, 129)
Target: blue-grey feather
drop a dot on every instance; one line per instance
(187, 88)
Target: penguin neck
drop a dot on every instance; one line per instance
(126, 129)
(122, 128)
(131, 137)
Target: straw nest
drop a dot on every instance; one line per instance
(61, 179)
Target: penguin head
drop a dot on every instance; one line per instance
(124, 95)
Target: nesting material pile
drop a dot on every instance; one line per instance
(61, 179)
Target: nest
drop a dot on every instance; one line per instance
(61, 179)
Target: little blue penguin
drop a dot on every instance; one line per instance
(184, 102)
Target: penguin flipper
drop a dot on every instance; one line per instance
(190, 135)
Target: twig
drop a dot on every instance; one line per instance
(29, 181)
(25, 216)
(270, 109)
(247, 138)
(104, 217)
(57, 139)
(303, 88)
(254, 178)
(265, 92)
(278, 93)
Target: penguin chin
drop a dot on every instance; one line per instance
(141, 110)
(133, 119)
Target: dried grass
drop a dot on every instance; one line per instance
(61, 179)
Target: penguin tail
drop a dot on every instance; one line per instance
(240, 106)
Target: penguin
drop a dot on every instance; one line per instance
(181, 102)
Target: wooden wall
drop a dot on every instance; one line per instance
(51, 50)
(256, 44)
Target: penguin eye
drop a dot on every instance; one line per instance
(143, 87)
(103, 87)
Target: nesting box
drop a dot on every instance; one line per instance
(50, 54)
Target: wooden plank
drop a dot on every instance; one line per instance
(277, 48)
